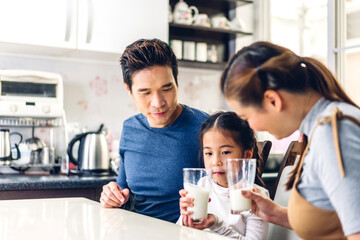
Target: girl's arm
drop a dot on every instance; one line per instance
(225, 230)
(256, 228)
(267, 209)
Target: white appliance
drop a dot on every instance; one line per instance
(32, 100)
(28, 93)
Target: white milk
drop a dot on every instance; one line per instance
(238, 202)
(201, 200)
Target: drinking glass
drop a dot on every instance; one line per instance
(197, 182)
(240, 174)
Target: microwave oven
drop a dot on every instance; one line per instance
(28, 93)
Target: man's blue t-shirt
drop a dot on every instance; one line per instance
(152, 160)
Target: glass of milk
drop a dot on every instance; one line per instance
(240, 173)
(197, 182)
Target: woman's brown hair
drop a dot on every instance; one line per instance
(265, 66)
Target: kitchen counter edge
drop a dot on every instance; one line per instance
(37, 182)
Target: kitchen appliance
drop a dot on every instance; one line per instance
(5, 146)
(40, 154)
(32, 101)
(26, 93)
(93, 153)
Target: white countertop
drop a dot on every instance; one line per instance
(84, 219)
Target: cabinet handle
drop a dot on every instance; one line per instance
(90, 21)
(68, 20)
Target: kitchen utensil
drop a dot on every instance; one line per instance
(170, 15)
(240, 173)
(197, 182)
(177, 47)
(237, 24)
(93, 152)
(5, 145)
(189, 50)
(220, 22)
(184, 14)
(47, 156)
(202, 20)
(35, 145)
(212, 53)
(201, 51)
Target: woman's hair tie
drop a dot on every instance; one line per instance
(302, 62)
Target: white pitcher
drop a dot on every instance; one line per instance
(183, 14)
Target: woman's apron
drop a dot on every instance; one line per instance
(308, 221)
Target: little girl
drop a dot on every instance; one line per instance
(224, 135)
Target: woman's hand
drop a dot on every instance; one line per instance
(266, 209)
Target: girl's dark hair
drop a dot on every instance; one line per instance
(239, 130)
(146, 53)
(265, 66)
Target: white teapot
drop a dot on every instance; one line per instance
(184, 14)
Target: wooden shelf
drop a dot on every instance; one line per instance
(237, 2)
(208, 29)
(223, 39)
(202, 65)
(224, 3)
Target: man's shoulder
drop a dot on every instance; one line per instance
(134, 120)
(195, 113)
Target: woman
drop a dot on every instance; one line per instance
(277, 91)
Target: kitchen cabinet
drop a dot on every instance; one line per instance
(111, 25)
(223, 39)
(77, 27)
(38, 22)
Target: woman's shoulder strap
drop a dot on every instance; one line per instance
(337, 115)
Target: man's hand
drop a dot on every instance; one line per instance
(113, 196)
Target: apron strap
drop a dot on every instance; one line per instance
(334, 126)
(337, 114)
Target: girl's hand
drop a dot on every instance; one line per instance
(185, 202)
(205, 223)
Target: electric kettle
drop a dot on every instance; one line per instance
(5, 146)
(93, 153)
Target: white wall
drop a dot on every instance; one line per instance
(94, 92)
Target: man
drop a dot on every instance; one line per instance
(160, 141)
